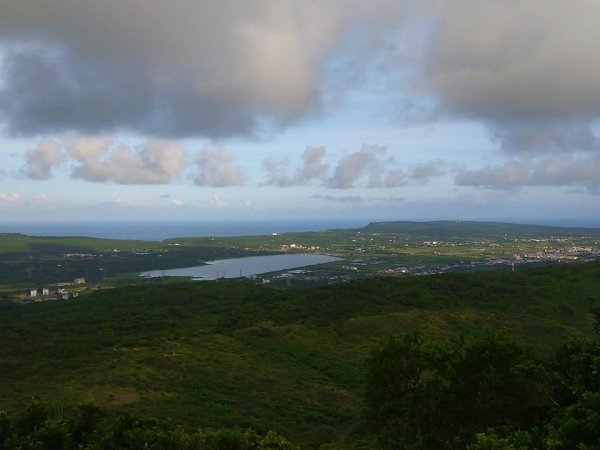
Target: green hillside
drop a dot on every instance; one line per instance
(232, 353)
(15, 243)
(461, 229)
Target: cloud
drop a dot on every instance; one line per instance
(509, 175)
(356, 198)
(173, 69)
(277, 172)
(122, 202)
(362, 164)
(520, 64)
(10, 198)
(421, 174)
(42, 159)
(312, 168)
(216, 168)
(312, 165)
(13, 199)
(101, 160)
(528, 69)
(546, 137)
(367, 167)
(340, 199)
(218, 203)
(558, 170)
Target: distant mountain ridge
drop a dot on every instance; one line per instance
(448, 229)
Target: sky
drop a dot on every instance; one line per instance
(279, 109)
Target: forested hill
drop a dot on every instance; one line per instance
(468, 229)
(237, 354)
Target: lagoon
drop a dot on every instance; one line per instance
(236, 267)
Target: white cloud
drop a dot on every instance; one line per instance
(10, 198)
(101, 159)
(357, 199)
(368, 167)
(41, 159)
(119, 201)
(217, 202)
(217, 169)
(17, 199)
(312, 168)
(362, 165)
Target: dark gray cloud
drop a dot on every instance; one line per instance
(558, 170)
(185, 67)
(507, 60)
(529, 69)
(546, 137)
(526, 69)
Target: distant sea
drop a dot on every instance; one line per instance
(158, 231)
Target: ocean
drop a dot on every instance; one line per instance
(158, 231)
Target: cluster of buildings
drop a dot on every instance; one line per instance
(286, 247)
(62, 291)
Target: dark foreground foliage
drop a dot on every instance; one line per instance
(484, 393)
(90, 428)
(475, 393)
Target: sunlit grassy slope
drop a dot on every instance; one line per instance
(231, 353)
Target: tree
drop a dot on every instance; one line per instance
(578, 427)
(440, 396)
(400, 403)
